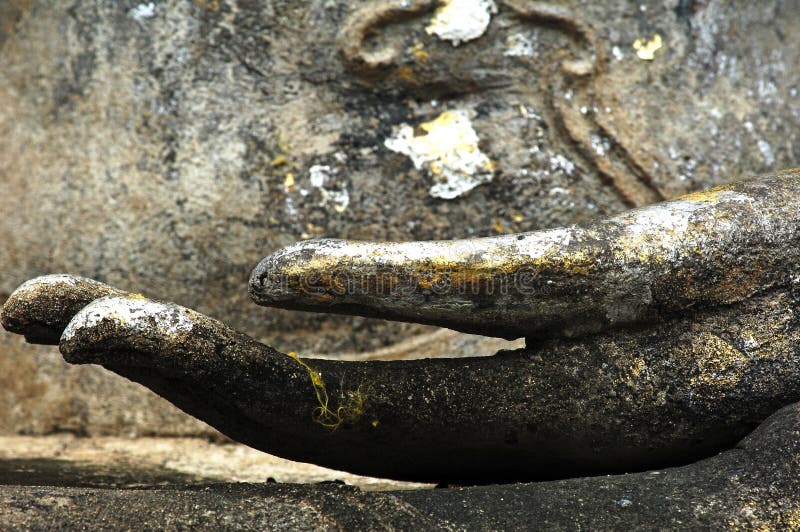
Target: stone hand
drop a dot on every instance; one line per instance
(655, 338)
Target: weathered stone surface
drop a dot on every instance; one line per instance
(755, 485)
(151, 148)
(228, 506)
(618, 401)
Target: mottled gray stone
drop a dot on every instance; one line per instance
(618, 401)
(148, 151)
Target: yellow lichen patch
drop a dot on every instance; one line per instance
(406, 74)
(279, 160)
(428, 267)
(351, 406)
(209, 4)
(288, 182)
(736, 285)
(791, 518)
(711, 195)
(751, 517)
(425, 283)
(577, 263)
(646, 49)
(635, 379)
(491, 271)
(419, 53)
(316, 278)
(556, 260)
(720, 365)
(498, 226)
(312, 231)
(645, 249)
(638, 367)
(490, 275)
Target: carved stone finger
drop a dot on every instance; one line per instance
(626, 401)
(700, 251)
(40, 308)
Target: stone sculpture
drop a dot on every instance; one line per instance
(614, 382)
(643, 349)
(169, 147)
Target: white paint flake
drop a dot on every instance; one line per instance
(559, 162)
(460, 21)
(518, 45)
(317, 176)
(601, 145)
(143, 12)
(448, 150)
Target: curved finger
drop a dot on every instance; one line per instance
(627, 401)
(41, 307)
(703, 250)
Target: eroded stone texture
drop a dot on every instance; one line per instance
(151, 148)
(622, 401)
(754, 486)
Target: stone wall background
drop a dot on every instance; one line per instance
(149, 145)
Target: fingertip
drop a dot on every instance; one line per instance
(120, 322)
(41, 307)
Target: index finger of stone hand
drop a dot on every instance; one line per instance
(702, 250)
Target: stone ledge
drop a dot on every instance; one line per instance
(105, 462)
